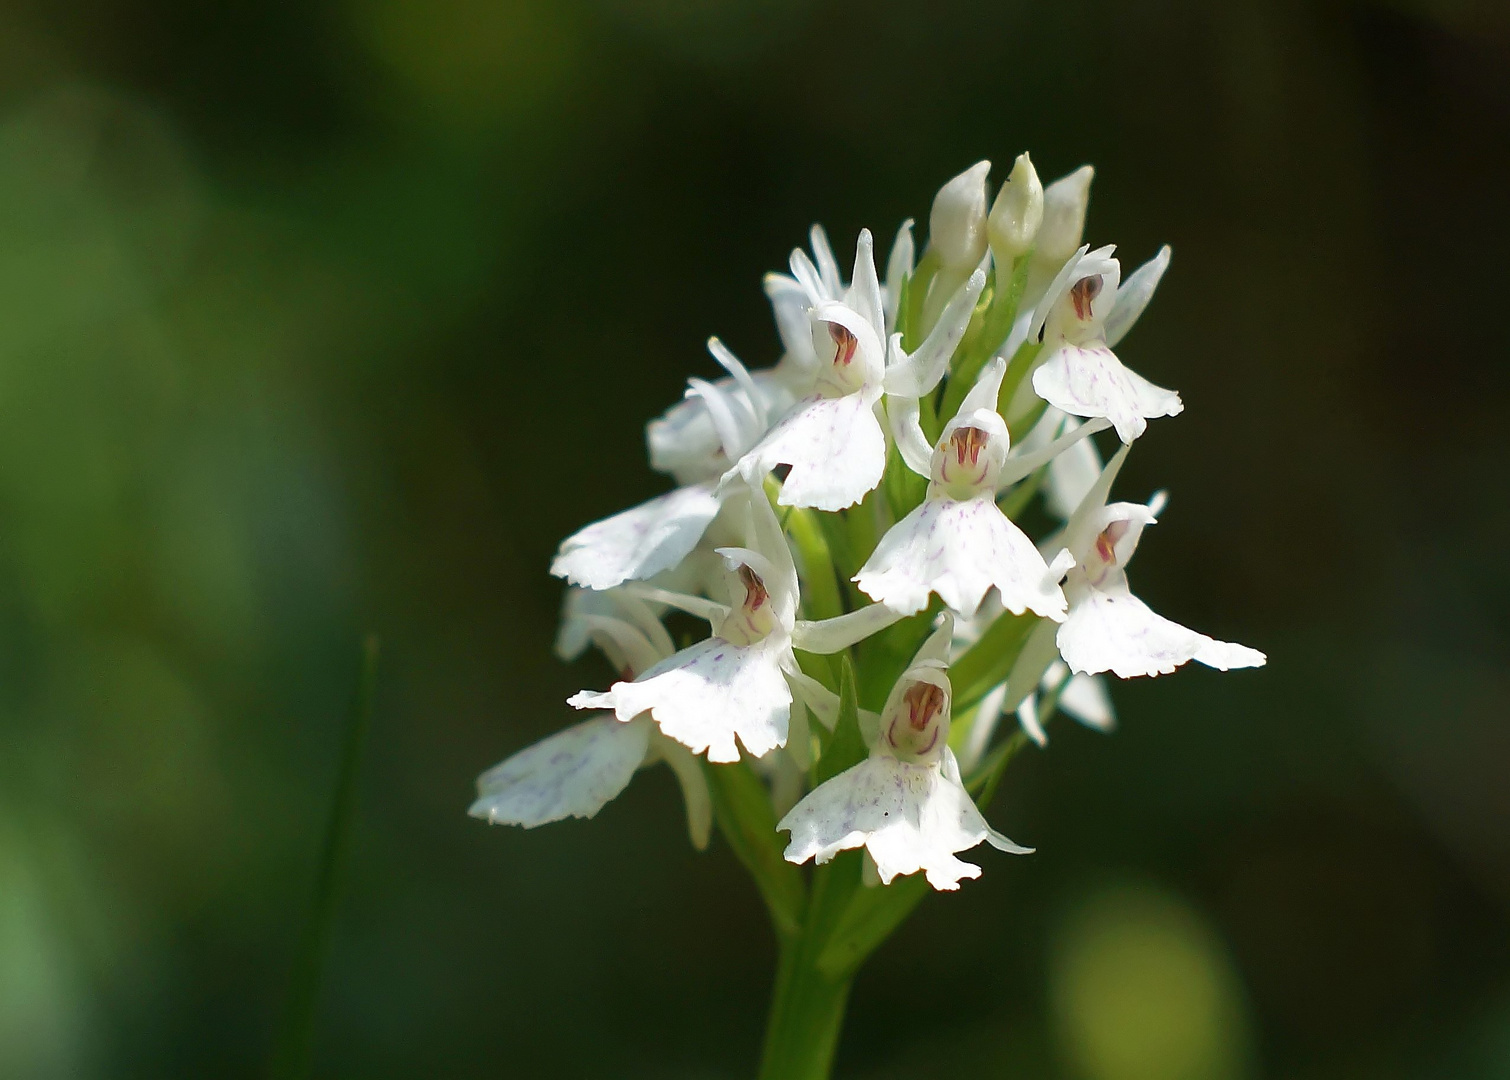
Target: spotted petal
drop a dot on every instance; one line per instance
(836, 449)
(707, 695)
(640, 542)
(1089, 380)
(1117, 632)
(959, 549)
(910, 817)
(573, 773)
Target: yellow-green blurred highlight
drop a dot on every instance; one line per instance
(1142, 988)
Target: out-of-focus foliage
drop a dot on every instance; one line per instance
(316, 318)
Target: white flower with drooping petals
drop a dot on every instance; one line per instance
(957, 542)
(905, 804)
(1110, 629)
(658, 535)
(576, 772)
(1079, 373)
(736, 686)
(688, 442)
(833, 439)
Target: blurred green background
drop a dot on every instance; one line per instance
(326, 317)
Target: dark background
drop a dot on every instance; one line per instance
(326, 317)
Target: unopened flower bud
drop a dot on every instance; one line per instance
(1016, 214)
(1064, 203)
(957, 225)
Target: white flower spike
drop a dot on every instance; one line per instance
(1110, 629)
(958, 543)
(1079, 373)
(1038, 625)
(905, 804)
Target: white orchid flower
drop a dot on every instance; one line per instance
(905, 804)
(1079, 316)
(576, 772)
(957, 542)
(833, 439)
(1110, 629)
(738, 684)
(658, 535)
(689, 442)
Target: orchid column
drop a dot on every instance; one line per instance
(846, 523)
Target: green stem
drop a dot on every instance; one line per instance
(807, 1005)
(295, 1045)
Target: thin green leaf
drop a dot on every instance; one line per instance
(295, 1041)
(845, 747)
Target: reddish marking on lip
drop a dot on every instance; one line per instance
(1082, 293)
(924, 702)
(755, 590)
(845, 343)
(1106, 541)
(968, 442)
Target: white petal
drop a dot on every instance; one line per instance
(831, 635)
(909, 817)
(1037, 654)
(710, 693)
(1071, 475)
(1091, 381)
(828, 266)
(694, 784)
(735, 422)
(1119, 633)
(573, 773)
(898, 267)
(1022, 464)
(1226, 655)
(819, 699)
(1027, 717)
(836, 449)
(864, 293)
(625, 645)
(684, 441)
(1133, 296)
(987, 716)
(907, 431)
(639, 542)
(959, 550)
(789, 304)
(1086, 699)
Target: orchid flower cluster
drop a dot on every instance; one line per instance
(846, 523)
